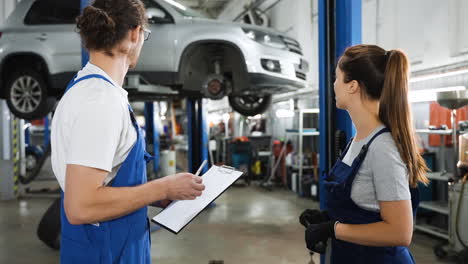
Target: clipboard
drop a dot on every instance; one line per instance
(179, 214)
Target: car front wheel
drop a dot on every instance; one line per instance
(26, 95)
(250, 105)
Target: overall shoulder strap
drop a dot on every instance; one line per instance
(346, 149)
(364, 149)
(362, 155)
(98, 76)
(132, 116)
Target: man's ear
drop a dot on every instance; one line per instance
(135, 34)
(353, 87)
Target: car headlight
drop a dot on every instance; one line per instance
(265, 38)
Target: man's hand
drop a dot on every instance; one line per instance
(183, 186)
(161, 204)
(165, 203)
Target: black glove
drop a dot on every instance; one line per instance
(319, 233)
(309, 217)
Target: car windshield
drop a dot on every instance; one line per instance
(183, 10)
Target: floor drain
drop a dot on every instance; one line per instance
(216, 262)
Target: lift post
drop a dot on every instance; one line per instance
(197, 135)
(152, 133)
(339, 27)
(6, 158)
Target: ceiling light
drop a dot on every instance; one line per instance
(284, 113)
(437, 76)
(430, 95)
(226, 117)
(257, 117)
(178, 5)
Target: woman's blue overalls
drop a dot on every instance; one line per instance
(122, 240)
(341, 208)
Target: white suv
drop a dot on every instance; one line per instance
(40, 52)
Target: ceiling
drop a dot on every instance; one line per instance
(208, 7)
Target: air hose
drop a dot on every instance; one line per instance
(459, 206)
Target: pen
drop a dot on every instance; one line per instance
(201, 167)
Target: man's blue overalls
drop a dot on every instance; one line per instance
(122, 240)
(341, 208)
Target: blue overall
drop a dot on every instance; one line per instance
(341, 208)
(122, 240)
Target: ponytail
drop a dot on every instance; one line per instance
(395, 113)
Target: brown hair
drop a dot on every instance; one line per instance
(105, 23)
(383, 75)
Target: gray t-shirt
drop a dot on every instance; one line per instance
(382, 176)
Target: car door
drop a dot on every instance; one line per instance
(51, 28)
(156, 62)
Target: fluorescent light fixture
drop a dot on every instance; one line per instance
(178, 5)
(226, 117)
(437, 76)
(163, 108)
(291, 104)
(430, 95)
(257, 117)
(214, 118)
(284, 113)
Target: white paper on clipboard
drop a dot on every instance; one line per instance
(180, 213)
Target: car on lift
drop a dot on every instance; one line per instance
(40, 52)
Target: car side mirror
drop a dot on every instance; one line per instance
(157, 16)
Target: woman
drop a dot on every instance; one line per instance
(371, 190)
(98, 151)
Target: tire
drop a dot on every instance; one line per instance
(462, 257)
(26, 95)
(250, 105)
(440, 252)
(49, 228)
(33, 156)
(40, 158)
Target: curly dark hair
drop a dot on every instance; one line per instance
(105, 23)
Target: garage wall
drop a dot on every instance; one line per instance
(434, 35)
(6, 7)
(432, 32)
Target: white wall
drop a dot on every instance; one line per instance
(434, 33)
(6, 7)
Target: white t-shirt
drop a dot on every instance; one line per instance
(383, 175)
(92, 126)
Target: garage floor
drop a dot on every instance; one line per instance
(248, 225)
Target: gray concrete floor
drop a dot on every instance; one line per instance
(248, 225)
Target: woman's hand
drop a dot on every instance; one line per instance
(309, 217)
(317, 235)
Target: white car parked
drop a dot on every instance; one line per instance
(40, 52)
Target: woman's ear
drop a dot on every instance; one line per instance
(353, 87)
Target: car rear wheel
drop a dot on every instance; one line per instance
(250, 105)
(26, 95)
